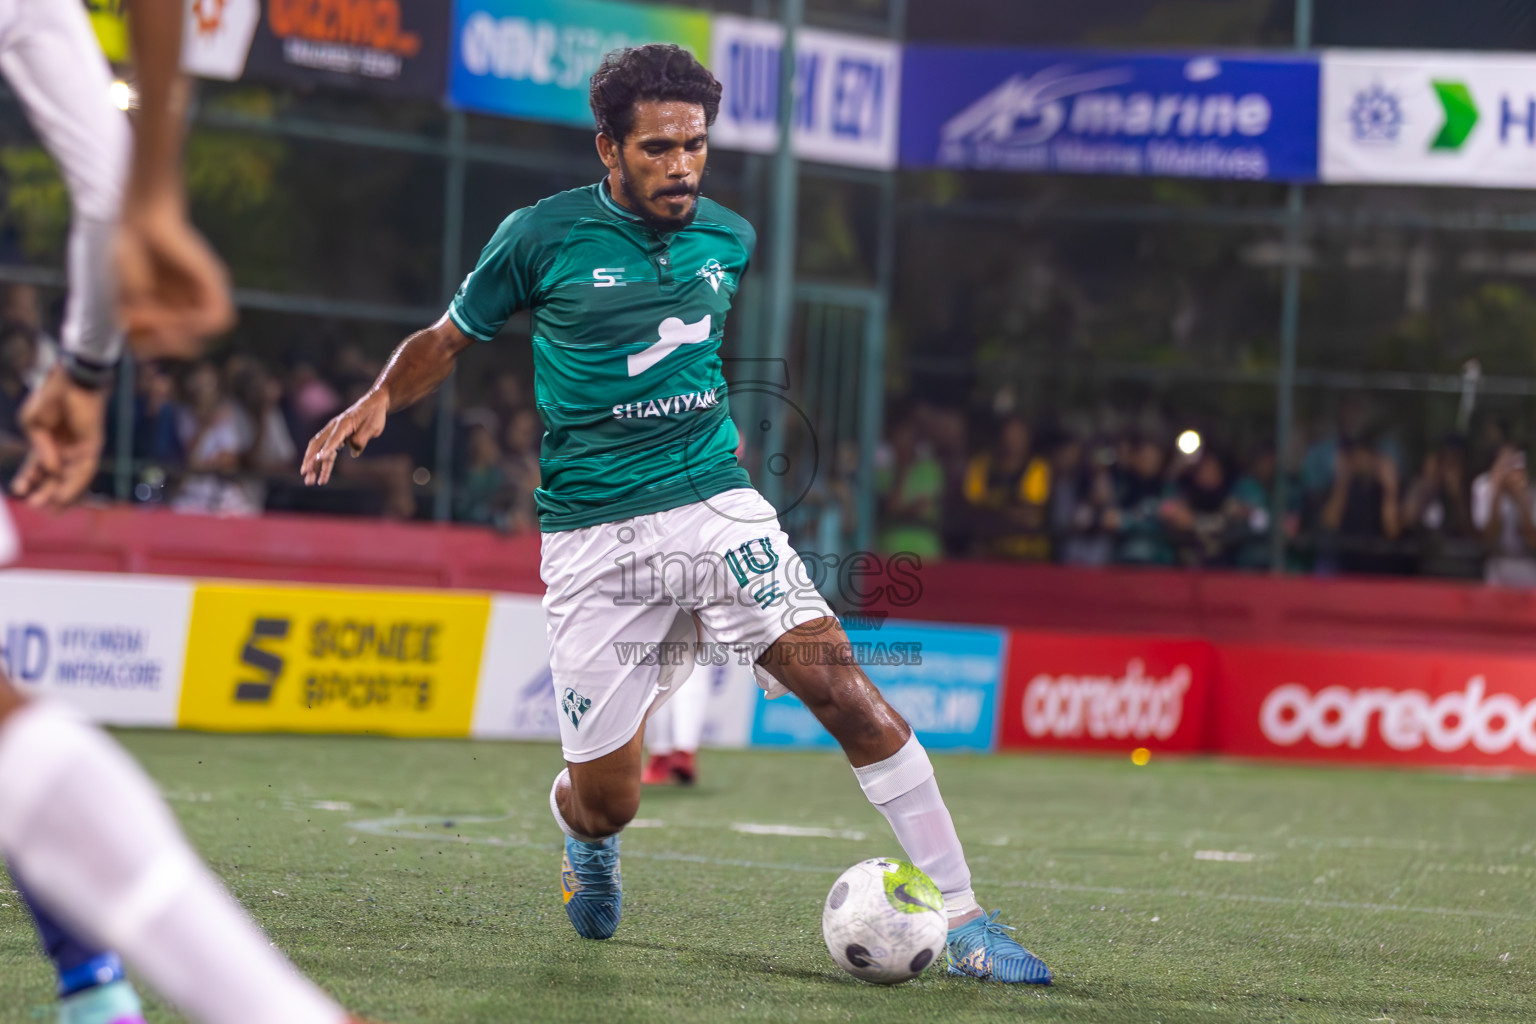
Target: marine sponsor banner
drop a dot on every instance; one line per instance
(1116, 693)
(1406, 707)
(1086, 112)
(216, 37)
(1429, 118)
(304, 659)
(394, 47)
(943, 679)
(110, 646)
(534, 58)
(847, 89)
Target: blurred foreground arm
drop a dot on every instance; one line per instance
(415, 369)
(172, 290)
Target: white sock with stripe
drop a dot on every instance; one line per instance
(903, 788)
(99, 848)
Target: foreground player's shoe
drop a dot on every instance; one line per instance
(983, 949)
(114, 1003)
(658, 771)
(684, 768)
(589, 882)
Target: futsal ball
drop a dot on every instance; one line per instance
(884, 921)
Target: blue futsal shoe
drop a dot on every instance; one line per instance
(983, 949)
(589, 882)
(113, 1003)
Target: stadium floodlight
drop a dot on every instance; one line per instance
(122, 94)
(1189, 442)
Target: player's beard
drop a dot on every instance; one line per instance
(641, 205)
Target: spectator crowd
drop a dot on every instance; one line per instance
(225, 437)
(1145, 495)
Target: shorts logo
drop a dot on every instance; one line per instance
(745, 564)
(574, 706)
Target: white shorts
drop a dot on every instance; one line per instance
(623, 599)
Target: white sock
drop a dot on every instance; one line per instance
(554, 808)
(903, 788)
(85, 827)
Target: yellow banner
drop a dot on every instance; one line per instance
(299, 659)
(111, 28)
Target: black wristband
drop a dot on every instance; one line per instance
(88, 373)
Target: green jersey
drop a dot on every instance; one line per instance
(627, 324)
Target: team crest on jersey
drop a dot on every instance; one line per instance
(714, 273)
(574, 706)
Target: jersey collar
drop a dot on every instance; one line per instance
(606, 201)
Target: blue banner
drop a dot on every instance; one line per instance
(1084, 112)
(943, 679)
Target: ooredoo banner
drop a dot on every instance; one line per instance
(109, 646)
(1085, 112)
(393, 47)
(1429, 118)
(1424, 708)
(1091, 692)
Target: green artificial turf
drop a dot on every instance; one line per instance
(418, 881)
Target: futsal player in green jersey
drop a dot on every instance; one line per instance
(652, 532)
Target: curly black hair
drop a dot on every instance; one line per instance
(657, 72)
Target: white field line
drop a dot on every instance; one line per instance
(797, 831)
(408, 827)
(1232, 856)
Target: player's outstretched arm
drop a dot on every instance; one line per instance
(415, 369)
(172, 289)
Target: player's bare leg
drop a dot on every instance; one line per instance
(100, 850)
(894, 771)
(592, 801)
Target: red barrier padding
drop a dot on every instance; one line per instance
(1419, 708)
(308, 549)
(1111, 693)
(1233, 606)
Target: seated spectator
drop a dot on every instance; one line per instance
(310, 401)
(1138, 514)
(525, 435)
(1437, 513)
(272, 452)
(216, 436)
(1008, 491)
(387, 465)
(911, 490)
(1249, 509)
(1502, 508)
(1197, 512)
(18, 356)
(480, 494)
(1083, 502)
(1361, 517)
(157, 452)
